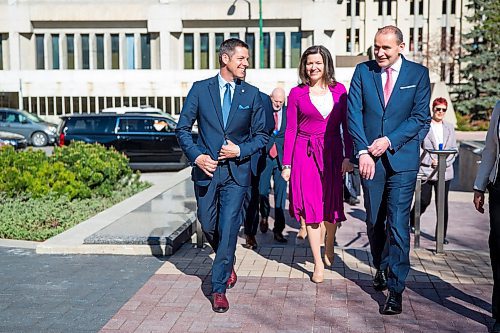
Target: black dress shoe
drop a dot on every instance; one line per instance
(380, 280)
(496, 327)
(279, 237)
(263, 225)
(445, 241)
(393, 304)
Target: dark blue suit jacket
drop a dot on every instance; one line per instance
(245, 127)
(279, 138)
(406, 118)
(258, 159)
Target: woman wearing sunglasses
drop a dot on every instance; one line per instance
(441, 136)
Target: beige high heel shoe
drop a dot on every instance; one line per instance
(318, 277)
(329, 253)
(302, 234)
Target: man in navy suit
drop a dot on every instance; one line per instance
(273, 167)
(231, 124)
(388, 117)
(251, 203)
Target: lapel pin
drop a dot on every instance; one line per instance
(242, 90)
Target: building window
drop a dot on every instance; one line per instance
(145, 51)
(420, 7)
(356, 40)
(115, 51)
(280, 50)
(40, 51)
(250, 40)
(453, 6)
(99, 39)
(219, 38)
(452, 73)
(443, 7)
(348, 40)
(356, 7)
(412, 40)
(389, 7)
(85, 52)
(296, 41)
(1, 51)
(443, 72)
(204, 50)
(70, 50)
(420, 39)
(267, 50)
(348, 3)
(443, 38)
(234, 35)
(55, 51)
(380, 7)
(412, 8)
(452, 38)
(188, 51)
(130, 51)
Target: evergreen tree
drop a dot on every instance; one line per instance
(480, 91)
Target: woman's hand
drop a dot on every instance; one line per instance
(285, 173)
(347, 166)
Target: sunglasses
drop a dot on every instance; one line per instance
(440, 109)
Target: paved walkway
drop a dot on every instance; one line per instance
(445, 293)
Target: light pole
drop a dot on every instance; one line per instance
(231, 11)
(261, 24)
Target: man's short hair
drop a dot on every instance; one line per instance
(391, 29)
(228, 47)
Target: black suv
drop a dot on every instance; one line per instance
(148, 140)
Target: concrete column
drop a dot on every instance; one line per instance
(92, 53)
(137, 51)
(78, 52)
(272, 49)
(288, 49)
(122, 51)
(164, 50)
(211, 49)
(63, 51)
(12, 52)
(196, 50)
(47, 50)
(107, 51)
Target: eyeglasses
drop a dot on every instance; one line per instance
(440, 109)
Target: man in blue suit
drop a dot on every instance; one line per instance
(388, 117)
(251, 203)
(231, 124)
(273, 167)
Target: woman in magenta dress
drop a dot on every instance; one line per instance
(317, 151)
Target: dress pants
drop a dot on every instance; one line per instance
(219, 212)
(425, 200)
(388, 198)
(272, 170)
(494, 243)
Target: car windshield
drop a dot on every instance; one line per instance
(33, 117)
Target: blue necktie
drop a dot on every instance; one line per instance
(226, 104)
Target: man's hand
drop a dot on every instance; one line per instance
(230, 150)
(378, 147)
(206, 163)
(434, 163)
(366, 166)
(285, 173)
(346, 166)
(479, 201)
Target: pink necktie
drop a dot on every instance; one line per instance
(273, 152)
(388, 85)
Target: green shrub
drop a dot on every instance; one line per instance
(77, 171)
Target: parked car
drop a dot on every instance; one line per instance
(12, 139)
(148, 140)
(36, 131)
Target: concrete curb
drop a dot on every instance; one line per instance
(72, 240)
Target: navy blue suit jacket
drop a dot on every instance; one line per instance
(245, 127)
(279, 138)
(257, 163)
(405, 120)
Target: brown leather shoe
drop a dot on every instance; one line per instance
(232, 279)
(264, 225)
(220, 302)
(278, 236)
(250, 242)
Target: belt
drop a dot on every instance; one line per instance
(223, 163)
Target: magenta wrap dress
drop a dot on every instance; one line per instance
(314, 147)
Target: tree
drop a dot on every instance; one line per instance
(479, 90)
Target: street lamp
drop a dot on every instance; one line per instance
(231, 11)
